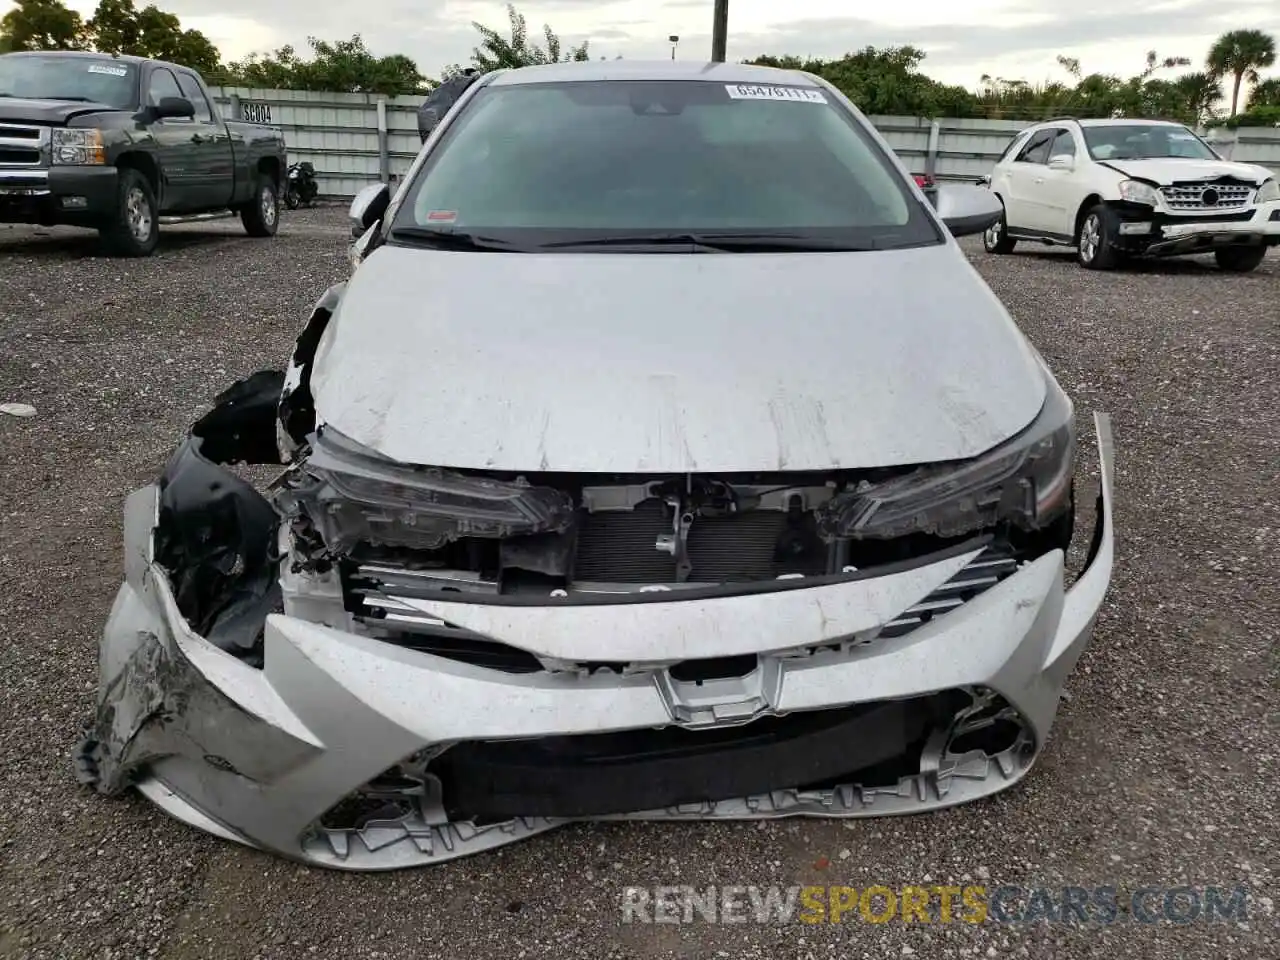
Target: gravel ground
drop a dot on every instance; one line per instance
(1162, 768)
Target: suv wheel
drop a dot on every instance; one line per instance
(1095, 244)
(996, 239)
(134, 231)
(261, 215)
(1239, 259)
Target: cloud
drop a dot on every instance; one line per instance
(1009, 38)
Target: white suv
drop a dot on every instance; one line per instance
(1117, 188)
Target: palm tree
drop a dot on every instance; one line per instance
(1241, 53)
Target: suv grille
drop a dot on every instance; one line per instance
(1207, 196)
(20, 146)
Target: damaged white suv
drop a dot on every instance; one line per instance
(664, 458)
(1132, 188)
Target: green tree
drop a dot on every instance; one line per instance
(497, 52)
(1266, 93)
(1240, 54)
(41, 25)
(343, 66)
(883, 81)
(119, 27)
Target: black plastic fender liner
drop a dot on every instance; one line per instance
(297, 412)
(241, 426)
(215, 536)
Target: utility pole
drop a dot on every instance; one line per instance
(720, 31)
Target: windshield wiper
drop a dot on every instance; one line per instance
(719, 242)
(452, 240)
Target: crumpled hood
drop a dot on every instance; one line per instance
(657, 363)
(49, 113)
(1165, 172)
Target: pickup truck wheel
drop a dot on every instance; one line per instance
(1096, 249)
(1239, 259)
(135, 229)
(261, 215)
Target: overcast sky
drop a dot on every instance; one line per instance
(1013, 39)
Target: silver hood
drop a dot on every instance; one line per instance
(657, 363)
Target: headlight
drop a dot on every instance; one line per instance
(353, 495)
(1269, 192)
(81, 146)
(1135, 191)
(1026, 482)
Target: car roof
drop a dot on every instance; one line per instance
(1128, 122)
(589, 70)
(85, 54)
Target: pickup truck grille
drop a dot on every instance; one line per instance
(21, 146)
(1207, 196)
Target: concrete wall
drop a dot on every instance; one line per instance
(355, 139)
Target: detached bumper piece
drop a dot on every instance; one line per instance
(900, 690)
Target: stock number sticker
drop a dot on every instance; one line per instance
(755, 91)
(255, 112)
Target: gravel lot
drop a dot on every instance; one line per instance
(1163, 767)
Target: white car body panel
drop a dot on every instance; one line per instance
(673, 363)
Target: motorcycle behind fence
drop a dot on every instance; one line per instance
(301, 188)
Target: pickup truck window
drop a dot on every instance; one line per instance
(89, 79)
(191, 90)
(162, 84)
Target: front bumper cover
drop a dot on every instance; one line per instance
(260, 755)
(1177, 234)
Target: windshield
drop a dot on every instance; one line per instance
(555, 164)
(1145, 141)
(36, 77)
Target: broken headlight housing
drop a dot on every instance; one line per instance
(1025, 481)
(352, 495)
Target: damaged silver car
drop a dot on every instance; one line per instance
(663, 458)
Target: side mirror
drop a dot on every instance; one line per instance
(368, 207)
(967, 209)
(174, 107)
(1063, 161)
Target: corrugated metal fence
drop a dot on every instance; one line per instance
(354, 139)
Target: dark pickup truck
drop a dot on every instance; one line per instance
(114, 143)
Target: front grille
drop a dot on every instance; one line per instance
(988, 568)
(16, 157)
(1207, 196)
(20, 146)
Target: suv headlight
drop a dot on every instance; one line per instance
(1269, 192)
(1025, 481)
(1135, 191)
(78, 146)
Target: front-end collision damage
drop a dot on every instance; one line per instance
(388, 664)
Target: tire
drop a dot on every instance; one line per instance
(134, 230)
(1239, 259)
(996, 239)
(261, 215)
(1095, 241)
(291, 199)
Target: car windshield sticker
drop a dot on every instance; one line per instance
(442, 216)
(109, 70)
(754, 91)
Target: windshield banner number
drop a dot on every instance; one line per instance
(754, 91)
